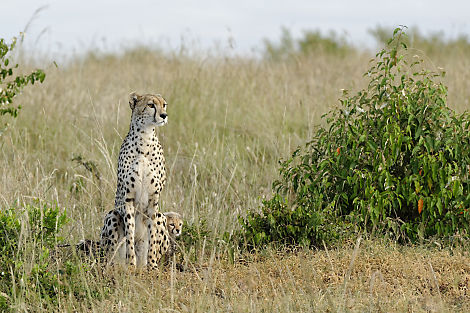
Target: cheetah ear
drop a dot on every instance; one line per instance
(133, 99)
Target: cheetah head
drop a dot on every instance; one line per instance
(174, 223)
(148, 109)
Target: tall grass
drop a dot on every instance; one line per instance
(230, 121)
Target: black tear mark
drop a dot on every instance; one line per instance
(154, 113)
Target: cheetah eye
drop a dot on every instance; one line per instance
(165, 104)
(151, 104)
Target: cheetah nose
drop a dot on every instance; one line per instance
(163, 115)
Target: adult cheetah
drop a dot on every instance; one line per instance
(140, 180)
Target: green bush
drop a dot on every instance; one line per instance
(11, 84)
(195, 238)
(393, 159)
(31, 231)
(33, 272)
(43, 224)
(281, 223)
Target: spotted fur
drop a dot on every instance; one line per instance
(114, 228)
(174, 225)
(140, 179)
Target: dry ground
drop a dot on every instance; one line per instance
(371, 277)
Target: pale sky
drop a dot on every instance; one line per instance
(70, 26)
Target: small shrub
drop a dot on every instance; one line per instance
(281, 224)
(393, 159)
(28, 232)
(195, 238)
(43, 225)
(11, 84)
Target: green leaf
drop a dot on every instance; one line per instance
(455, 189)
(439, 206)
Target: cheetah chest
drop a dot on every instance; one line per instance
(150, 170)
(150, 178)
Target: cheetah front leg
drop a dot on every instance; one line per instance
(129, 232)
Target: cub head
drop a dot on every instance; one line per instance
(148, 109)
(174, 223)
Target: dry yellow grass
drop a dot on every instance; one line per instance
(381, 279)
(230, 121)
(371, 277)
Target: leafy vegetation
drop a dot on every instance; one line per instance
(11, 83)
(195, 238)
(33, 227)
(221, 156)
(31, 265)
(393, 159)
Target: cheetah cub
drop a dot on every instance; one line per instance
(141, 177)
(174, 225)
